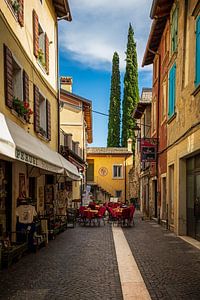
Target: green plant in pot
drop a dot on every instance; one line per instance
(16, 6)
(41, 57)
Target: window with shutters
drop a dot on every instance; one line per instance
(174, 30)
(172, 91)
(42, 114)
(117, 171)
(197, 79)
(40, 43)
(17, 8)
(16, 87)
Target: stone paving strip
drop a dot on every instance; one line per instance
(133, 286)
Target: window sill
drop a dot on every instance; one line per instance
(117, 178)
(196, 91)
(43, 68)
(42, 137)
(171, 118)
(14, 113)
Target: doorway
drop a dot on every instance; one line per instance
(193, 197)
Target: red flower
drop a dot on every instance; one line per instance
(26, 104)
(30, 112)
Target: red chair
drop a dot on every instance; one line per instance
(101, 214)
(124, 218)
(112, 215)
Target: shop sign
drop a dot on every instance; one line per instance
(148, 150)
(25, 157)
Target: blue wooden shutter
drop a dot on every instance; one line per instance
(172, 91)
(197, 81)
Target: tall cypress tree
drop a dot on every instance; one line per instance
(131, 91)
(113, 139)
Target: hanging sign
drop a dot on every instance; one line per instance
(148, 150)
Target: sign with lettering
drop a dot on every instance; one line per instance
(25, 157)
(148, 150)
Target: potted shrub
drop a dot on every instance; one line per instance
(15, 6)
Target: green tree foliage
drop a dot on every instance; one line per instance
(131, 91)
(113, 139)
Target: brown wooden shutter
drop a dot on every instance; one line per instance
(25, 87)
(35, 33)
(48, 120)
(47, 53)
(8, 78)
(21, 13)
(36, 109)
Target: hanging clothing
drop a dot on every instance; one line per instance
(26, 213)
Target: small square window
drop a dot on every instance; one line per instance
(118, 193)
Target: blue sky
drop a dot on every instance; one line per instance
(87, 45)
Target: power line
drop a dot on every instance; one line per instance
(100, 113)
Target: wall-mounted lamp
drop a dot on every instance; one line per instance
(136, 130)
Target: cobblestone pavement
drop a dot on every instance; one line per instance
(80, 264)
(170, 267)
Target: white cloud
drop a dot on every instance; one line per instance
(100, 27)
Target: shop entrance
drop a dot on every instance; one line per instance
(193, 197)
(5, 197)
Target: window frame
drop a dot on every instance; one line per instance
(120, 193)
(117, 177)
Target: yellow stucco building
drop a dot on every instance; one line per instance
(76, 132)
(29, 112)
(108, 172)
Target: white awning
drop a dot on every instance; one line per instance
(70, 169)
(31, 150)
(7, 145)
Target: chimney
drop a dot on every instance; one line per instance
(66, 83)
(129, 143)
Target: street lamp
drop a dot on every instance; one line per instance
(136, 130)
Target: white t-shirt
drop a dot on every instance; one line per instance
(26, 213)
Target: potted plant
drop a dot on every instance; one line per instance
(15, 6)
(41, 57)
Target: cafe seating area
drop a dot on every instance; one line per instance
(116, 213)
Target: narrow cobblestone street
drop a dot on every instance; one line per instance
(81, 264)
